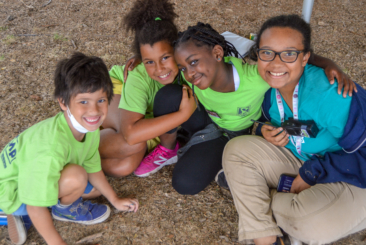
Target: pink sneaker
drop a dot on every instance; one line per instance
(157, 159)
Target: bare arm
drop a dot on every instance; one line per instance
(333, 71)
(136, 128)
(43, 222)
(99, 181)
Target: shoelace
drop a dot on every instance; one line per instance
(154, 153)
(84, 206)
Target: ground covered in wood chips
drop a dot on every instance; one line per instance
(33, 38)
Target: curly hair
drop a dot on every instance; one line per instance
(81, 74)
(152, 21)
(292, 21)
(204, 34)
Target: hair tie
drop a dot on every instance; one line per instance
(157, 18)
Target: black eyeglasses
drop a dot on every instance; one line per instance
(287, 56)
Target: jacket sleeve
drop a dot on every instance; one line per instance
(347, 165)
(336, 166)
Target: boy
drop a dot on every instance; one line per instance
(56, 162)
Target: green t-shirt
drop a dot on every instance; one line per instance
(138, 92)
(31, 163)
(234, 110)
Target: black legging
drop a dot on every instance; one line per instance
(197, 168)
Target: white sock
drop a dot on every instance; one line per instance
(59, 205)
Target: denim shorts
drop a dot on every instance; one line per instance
(22, 210)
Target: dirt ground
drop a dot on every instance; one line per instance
(33, 38)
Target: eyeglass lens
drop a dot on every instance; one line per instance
(286, 56)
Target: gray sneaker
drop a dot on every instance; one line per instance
(18, 227)
(221, 180)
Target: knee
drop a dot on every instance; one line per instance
(171, 93)
(120, 167)
(74, 176)
(236, 150)
(184, 186)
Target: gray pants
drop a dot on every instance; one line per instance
(321, 214)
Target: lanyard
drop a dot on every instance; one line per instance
(296, 140)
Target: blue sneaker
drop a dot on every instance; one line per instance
(18, 227)
(82, 212)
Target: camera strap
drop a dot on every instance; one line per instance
(296, 140)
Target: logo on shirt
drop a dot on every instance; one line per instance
(9, 153)
(243, 111)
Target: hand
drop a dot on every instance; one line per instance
(344, 81)
(274, 135)
(188, 104)
(298, 185)
(126, 204)
(130, 65)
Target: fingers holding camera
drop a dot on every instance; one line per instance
(282, 139)
(276, 136)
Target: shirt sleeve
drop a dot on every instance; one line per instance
(135, 94)
(116, 72)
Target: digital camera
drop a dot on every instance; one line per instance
(303, 128)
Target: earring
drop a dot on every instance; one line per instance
(219, 59)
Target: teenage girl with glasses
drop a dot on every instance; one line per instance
(327, 199)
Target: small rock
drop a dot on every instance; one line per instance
(27, 63)
(203, 220)
(9, 18)
(229, 10)
(12, 60)
(321, 23)
(225, 238)
(35, 97)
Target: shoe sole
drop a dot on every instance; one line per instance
(16, 230)
(217, 175)
(168, 162)
(87, 222)
(218, 182)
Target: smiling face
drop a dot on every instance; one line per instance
(89, 109)
(199, 64)
(277, 73)
(159, 62)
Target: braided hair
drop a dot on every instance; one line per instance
(203, 34)
(152, 21)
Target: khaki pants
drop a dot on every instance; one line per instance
(321, 214)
